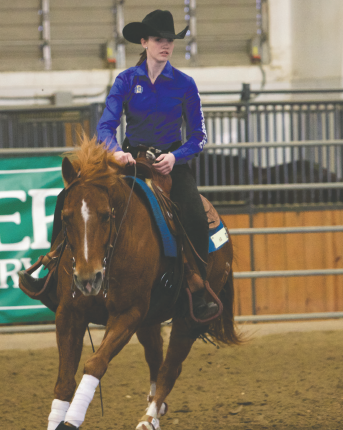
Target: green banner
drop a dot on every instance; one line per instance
(28, 190)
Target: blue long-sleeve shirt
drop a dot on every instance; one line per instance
(154, 111)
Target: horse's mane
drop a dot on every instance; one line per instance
(95, 163)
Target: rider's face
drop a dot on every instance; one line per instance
(158, 49)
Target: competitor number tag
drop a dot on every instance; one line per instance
(220, 237)
(138, 89)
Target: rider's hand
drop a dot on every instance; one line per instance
(124, 158)
(164, 163)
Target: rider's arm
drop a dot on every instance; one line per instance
(110, 119)
(195, 124)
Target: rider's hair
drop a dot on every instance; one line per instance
(143, 55)
(142, 58)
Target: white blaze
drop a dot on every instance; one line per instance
(85, 216)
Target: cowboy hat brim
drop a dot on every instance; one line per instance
(135, 31)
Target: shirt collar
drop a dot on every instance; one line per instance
(167, 71)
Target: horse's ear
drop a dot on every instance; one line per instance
(68, 171)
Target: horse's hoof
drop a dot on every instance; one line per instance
(62, 426)
(145, 425)
(164, 409)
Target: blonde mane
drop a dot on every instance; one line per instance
(96, 164)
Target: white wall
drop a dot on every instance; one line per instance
(280, 40)
(317, 41)
(306, 50)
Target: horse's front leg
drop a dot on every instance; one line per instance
(151, 339)
(70, 330)
(119, 331)
(179, 346)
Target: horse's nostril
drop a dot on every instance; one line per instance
(91, 285)
(98, 277)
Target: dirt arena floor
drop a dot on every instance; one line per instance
(288, 376)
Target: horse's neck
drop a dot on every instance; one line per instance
(126, 203)
(136, 241)
(120, 197)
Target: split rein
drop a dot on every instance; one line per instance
(111, 244)
(110, 249)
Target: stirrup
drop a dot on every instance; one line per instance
(211, 310)
(31, 286)
(38, 289)
(205, 310)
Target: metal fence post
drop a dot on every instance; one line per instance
(121, 55)
(45, 27)
(245, 99)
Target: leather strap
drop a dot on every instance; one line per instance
(134, 150)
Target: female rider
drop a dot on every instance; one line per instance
(155, 97)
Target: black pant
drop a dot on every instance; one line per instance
(185, 193)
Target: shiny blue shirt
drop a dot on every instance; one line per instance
(154, 111)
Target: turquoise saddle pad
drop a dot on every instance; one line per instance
(217, 237)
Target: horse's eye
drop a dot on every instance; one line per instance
(105, 217)
(66, 219)
(67, 216)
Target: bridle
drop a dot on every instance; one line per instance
(111, 243)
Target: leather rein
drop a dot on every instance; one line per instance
(111, 243)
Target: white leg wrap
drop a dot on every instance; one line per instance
(151, 418)
(58, 413)
(152, 410)
(152, 388)
(83, 396)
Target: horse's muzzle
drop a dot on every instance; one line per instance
(91, 286)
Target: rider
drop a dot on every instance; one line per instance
(156, 97)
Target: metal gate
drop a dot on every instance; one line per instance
(259, 155)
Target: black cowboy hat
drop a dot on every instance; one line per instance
(158, 23)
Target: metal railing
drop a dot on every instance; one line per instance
(283, 273)
(292, 144)
(302, 173)
(286, 230)
(46, 127)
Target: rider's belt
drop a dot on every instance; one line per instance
(127, 147)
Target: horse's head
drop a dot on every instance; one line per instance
(88, 220)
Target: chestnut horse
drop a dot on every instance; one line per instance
(98, 200)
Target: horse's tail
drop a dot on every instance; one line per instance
(223, 329)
